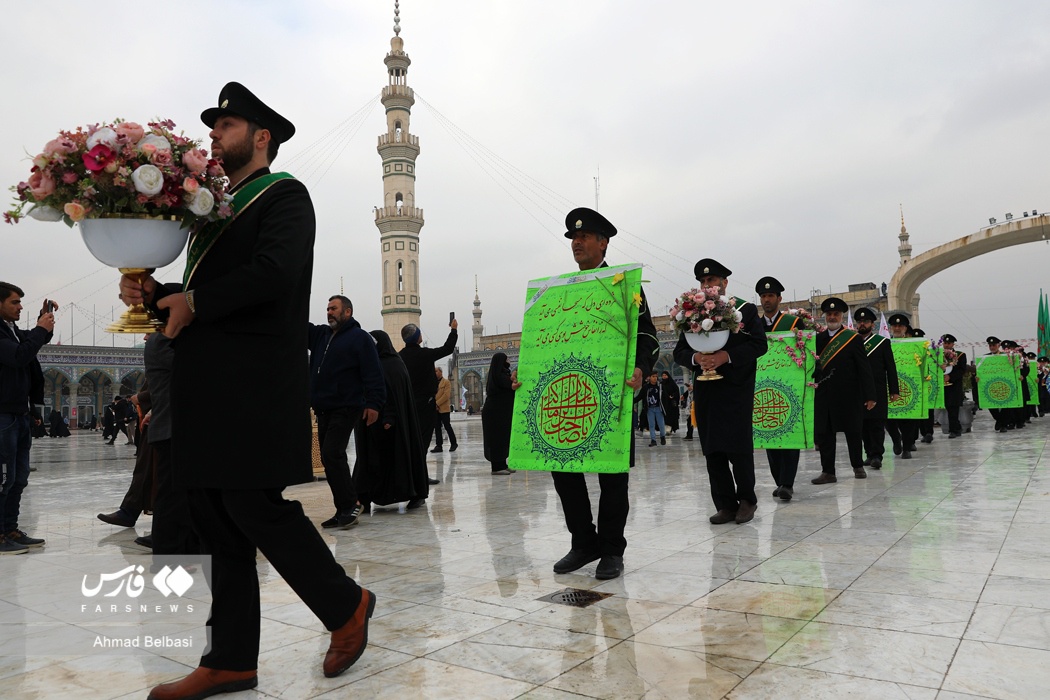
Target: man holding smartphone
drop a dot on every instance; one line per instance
(21, 388)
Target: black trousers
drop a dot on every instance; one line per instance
(954, 425)
(903, 431)
(173, 531)
(333, 435)
(926, 424)
(425, 419)
(232, 524)
(783, 465)
(443, 419)
(613, 507)
(137, 498)
(854, 444)
(730, 486)
(873, 434)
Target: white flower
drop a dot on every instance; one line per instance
(44, 213)
(201, 202)
(724, 299)
(680, 316)
(148, 179)
(707, 324)
(737, 316)
(105, 135)
(158, 142)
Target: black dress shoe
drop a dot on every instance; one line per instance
(876, 463)
(824, 478)
(453, 448)
(145, 541)
(116, 518)
(927, 438)
(433, 481)
(575, 559)
(722, 517)
(611, 566)
(954, 435)
(786, 493)
(897, 448)
(436, 449)
(867, 462)
(906, 455)
(776, 491)
(415, 503)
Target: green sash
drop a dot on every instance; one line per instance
(873, 342)
(207, 235)
(785, 323)
(835, 345)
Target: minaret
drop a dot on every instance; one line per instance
(904, 248)
(398, 220)
(477, 330)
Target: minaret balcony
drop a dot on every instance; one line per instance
(395, 96)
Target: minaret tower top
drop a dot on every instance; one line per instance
(477, 330)
(905, 247)
(399, 220)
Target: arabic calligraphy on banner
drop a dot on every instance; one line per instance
(573, 411)
(782, 417)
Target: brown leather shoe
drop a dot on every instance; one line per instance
(205, 682)
(350, 640)
(824, 478)
(746, 512)
(722, 517)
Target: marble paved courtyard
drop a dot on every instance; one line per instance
(930, 579)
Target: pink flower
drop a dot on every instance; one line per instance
(131, 131)
(709, 305)
(98, 157)
(694, 327)
(215, 169)
(59, 146)
(41, 185)
(69, 177)
(75, 211)
(161, 159)
(196, 160)
(189, 185)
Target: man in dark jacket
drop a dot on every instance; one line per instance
(420, 364)
(346, 383)
(845, 391)
(21, 388)
(724, 408)
(954, 374)
(590, 233)
(887, 387)
(242, 311)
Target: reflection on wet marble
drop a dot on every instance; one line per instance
(930, 579)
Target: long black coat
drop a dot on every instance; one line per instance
(953, 395)
(497, 417)
(884, 375)
(252, 296)
(391, 466)
(724, 407)
(842, 387)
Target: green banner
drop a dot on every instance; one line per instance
(999, 381)
(573, 411)
(910, 356)
(1033, 385)
(783, 412)
(934, 377)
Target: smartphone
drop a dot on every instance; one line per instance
(51, 306)
(451, 317)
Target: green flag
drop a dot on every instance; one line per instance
(1033, 386)
(910, 356)
(783, 412)
(1043, 325)
(573, 411)
(999, 381)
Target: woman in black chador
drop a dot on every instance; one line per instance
(391, 466)
(498, 413)
(58, 424)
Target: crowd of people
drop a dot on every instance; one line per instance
(244, 301)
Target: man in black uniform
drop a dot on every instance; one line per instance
(590, 232)
(783, 464)
(884, 374)
(724, 408)
(844, 390)
(954, 373)
(925, 425)
(420, 364)
(999, 415)
(903, 431)
(1017, 417)
(244, 304)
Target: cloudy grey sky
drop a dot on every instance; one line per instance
(778, 137)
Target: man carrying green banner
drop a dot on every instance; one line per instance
(783, 463)
(884, 374)
(590, 232)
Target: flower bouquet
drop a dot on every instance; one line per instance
(134, 191)
(706, 317)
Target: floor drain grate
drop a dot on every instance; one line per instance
(576, 597)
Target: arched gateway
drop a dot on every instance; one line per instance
(914, 271)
